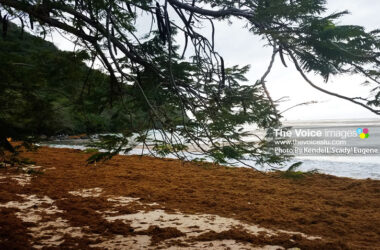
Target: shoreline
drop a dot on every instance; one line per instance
(359, 167)
(341, 213)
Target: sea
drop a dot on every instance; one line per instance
(344, 148)
(362, 165)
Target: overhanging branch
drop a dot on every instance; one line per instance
(299, 69)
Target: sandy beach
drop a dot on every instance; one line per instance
(133, 202)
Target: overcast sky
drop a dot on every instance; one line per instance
(238, 46)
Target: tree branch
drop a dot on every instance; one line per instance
(299, 69)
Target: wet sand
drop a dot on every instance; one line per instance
(134, 202)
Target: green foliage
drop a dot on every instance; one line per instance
(150, 86)
(203, 163)
(90, 151)
(294, 167)
(44, 91)
(292, 173)
(164, 149)
(100, 157)
(38, 86)
(109, 146)
(13, 158)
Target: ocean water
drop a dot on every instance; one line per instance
(358, 166)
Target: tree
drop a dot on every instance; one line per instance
(44, 91)
(214, 103)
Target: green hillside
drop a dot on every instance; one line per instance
(47, 91)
